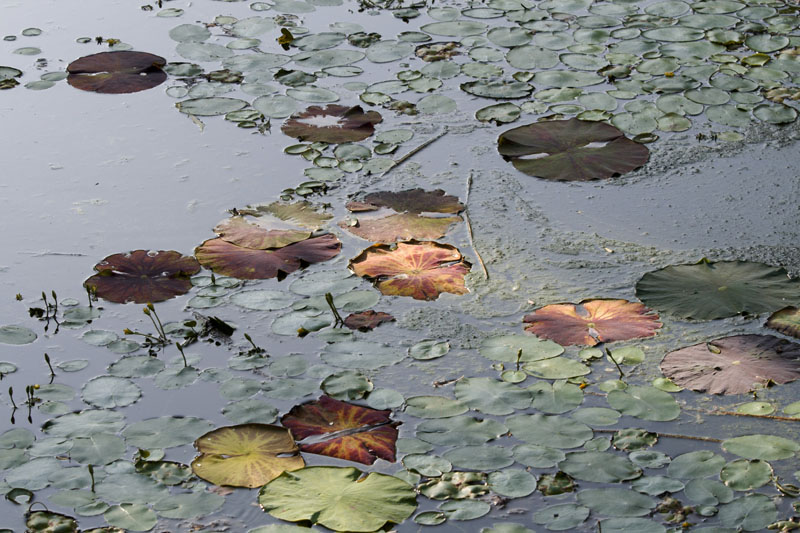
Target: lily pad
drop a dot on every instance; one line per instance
(143, 276)
(592, 321)
(247, 455)
(734, 365)
(117, 72)
(422, 270)
(18, 335)
(490, 396)
(332, 124)
(367, 320)
(343, 430)
(571, 150)
(342, 499)
(709, 290)
(763, 447)
(245, 263)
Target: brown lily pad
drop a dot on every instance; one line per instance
(571, 150)
(786, 321)
(302, 213)
(332, 124)
(143, 276)
(344, 430)
(422, 270)
(117, 72)
(400, 227)
(241, 232)
(734, 365)
(246, 263)
(367, 320)
(412, 201)
(592, 321)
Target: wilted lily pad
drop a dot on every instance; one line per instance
(708, 290)
(332, 124)
(344, 430)
(143, 276)
(734, 365)
(341, 499)
(117, 72)
(592, 321)
(247, 455)
(245, 263)
(786, 321)
(367, 320)
(571, 150)
(422, 270)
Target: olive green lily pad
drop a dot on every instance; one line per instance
(600, 467)
(460, 430)
(561, 517)
(709, 290)
(550, 431)
(490, 396)
(616, 502)
(647, 403)
(752, 512)
(16, 335)
(342, 499)
(742, 474)
(763, 447)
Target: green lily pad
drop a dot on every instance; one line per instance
(490, 396)
(763, 447)
(616, 502)
(742, 474)
(507, 348)
(693, 465)
(165, 431)
(600, 467)
(110, 391)
(647, 403)
(343, 500)
(16, 335)
(460, 430)
(131, 516)
(561, 517)
(550, 431)
(752, 512)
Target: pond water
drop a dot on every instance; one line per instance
(711, 89)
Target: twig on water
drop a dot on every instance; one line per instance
(469, 228)
(409, 155)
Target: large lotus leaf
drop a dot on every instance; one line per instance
(571, 150)
(592, 321)
(411, 201)
(247, 455)
(400, 227)
(257, 235)
(143, 276)
(733, 365)
(421, 270)
(344, 430)
(230, 260)
(709, 290)
(117, 72)
(332, 124)
(341, 499)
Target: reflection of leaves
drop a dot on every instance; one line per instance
(571, 150)
(421, 270)
(247, 455)
(230, 260)
(592, 321)
(348, 431)
(734, 365)
(117, 72)
(332, 124)
(142, 276)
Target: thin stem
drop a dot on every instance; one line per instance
(47, 360)
(409, 155)
(338, 320)
(621, 373)
(11, 397)
(180, 349)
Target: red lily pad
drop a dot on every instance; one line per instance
(343, 430)
(367, 320)
(592, 321)
(143, 276)
(734, 365)
(571, 150)
(786, 321)
(117, 72)
(332, 124)
(246, 263)
(422, 270)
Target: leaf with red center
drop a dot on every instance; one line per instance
(117, 72)
(421, 270)
(571, 150)
(245, 263)
(415, 201)
(592, 321)
(332, 124)
(786, 321)
(367, 320)
(734, 365)
(400, 227)
(343, 430)
(143, 276)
